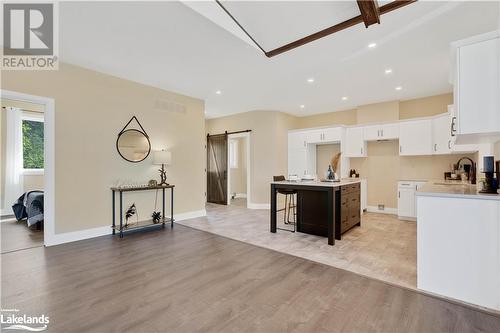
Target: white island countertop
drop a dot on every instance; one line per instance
(446, 189)
(343, 181)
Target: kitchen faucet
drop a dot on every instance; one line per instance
(472, 171)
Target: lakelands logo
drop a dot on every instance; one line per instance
(11, 319)
(29, 36)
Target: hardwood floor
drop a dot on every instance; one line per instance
(17, 236)
(186, 280)
(383, 247)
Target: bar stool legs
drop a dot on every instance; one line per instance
(290, 204)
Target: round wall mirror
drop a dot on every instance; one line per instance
(133, 145)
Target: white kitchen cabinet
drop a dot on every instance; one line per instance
(302, 161)
(407, 202)
(476, 89)
(297, 140)
(323, 136)
(356, 144)
(415, 137)
(441, 134)
(381, 132)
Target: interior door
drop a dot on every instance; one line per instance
(217, 169)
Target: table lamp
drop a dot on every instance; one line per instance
(162, 158)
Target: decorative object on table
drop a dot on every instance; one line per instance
(162, 157)
(329, 173)
(335, 162)
(131, 211)
(132, 144)
(153, 183)
(156, 215)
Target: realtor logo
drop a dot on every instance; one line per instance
(29, 36)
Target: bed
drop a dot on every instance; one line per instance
(29, 206)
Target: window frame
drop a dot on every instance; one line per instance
(36, 118)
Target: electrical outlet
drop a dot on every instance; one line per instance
(381, 207)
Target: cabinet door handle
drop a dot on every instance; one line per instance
(400, 149)
(399, 194)
(361, 151)
(382, 133)
(449, 144)
(378, 133)
(435, 147)
(453, 129)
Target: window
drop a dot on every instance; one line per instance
(233, 154)
(32, 134)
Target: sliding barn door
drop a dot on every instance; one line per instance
(217, 169)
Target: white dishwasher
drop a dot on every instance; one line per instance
(407, 201)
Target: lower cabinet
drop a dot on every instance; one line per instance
(350, 206)
(407, 208)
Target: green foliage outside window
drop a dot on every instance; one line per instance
(32, 144)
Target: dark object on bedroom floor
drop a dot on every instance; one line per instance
(30, 206)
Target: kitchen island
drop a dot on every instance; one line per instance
(323, 208)
(458, 243)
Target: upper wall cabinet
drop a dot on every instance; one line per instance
(477, 88)
(324, 135)
(381, 132)
(297, 140)
(356, 144)
(441, 134)
(415, 137)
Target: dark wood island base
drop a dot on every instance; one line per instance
(323, 209)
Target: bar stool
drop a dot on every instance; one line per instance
(290, 203)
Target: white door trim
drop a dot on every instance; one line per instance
(49, 157)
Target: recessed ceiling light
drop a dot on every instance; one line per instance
(399, 88)
(302, 106)
(310, 80)
(388, 71)
(344, 98)
(372, 45)
(218, 92)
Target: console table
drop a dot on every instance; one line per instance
(142, 224)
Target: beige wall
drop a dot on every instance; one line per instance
(90, 109)
(238, 176)
(425, 107)
(372, 113)
(268, 146)
(347, 117)
(497, 151)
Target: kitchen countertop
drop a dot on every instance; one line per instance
(452, 189)
(344, 181)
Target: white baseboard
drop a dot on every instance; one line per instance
(74, 236)
(190, 215)
(241, 195)
(374, 209)
(258, 206)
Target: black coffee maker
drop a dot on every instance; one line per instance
(490, 182)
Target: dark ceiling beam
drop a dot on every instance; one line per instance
(369, 11)
(336, 28)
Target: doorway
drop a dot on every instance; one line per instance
(28, 178)
(228, 168)
(238, 169)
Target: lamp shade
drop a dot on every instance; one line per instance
(162, 157)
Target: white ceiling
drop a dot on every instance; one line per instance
(171, 46)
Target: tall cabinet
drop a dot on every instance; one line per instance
(476, 82)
